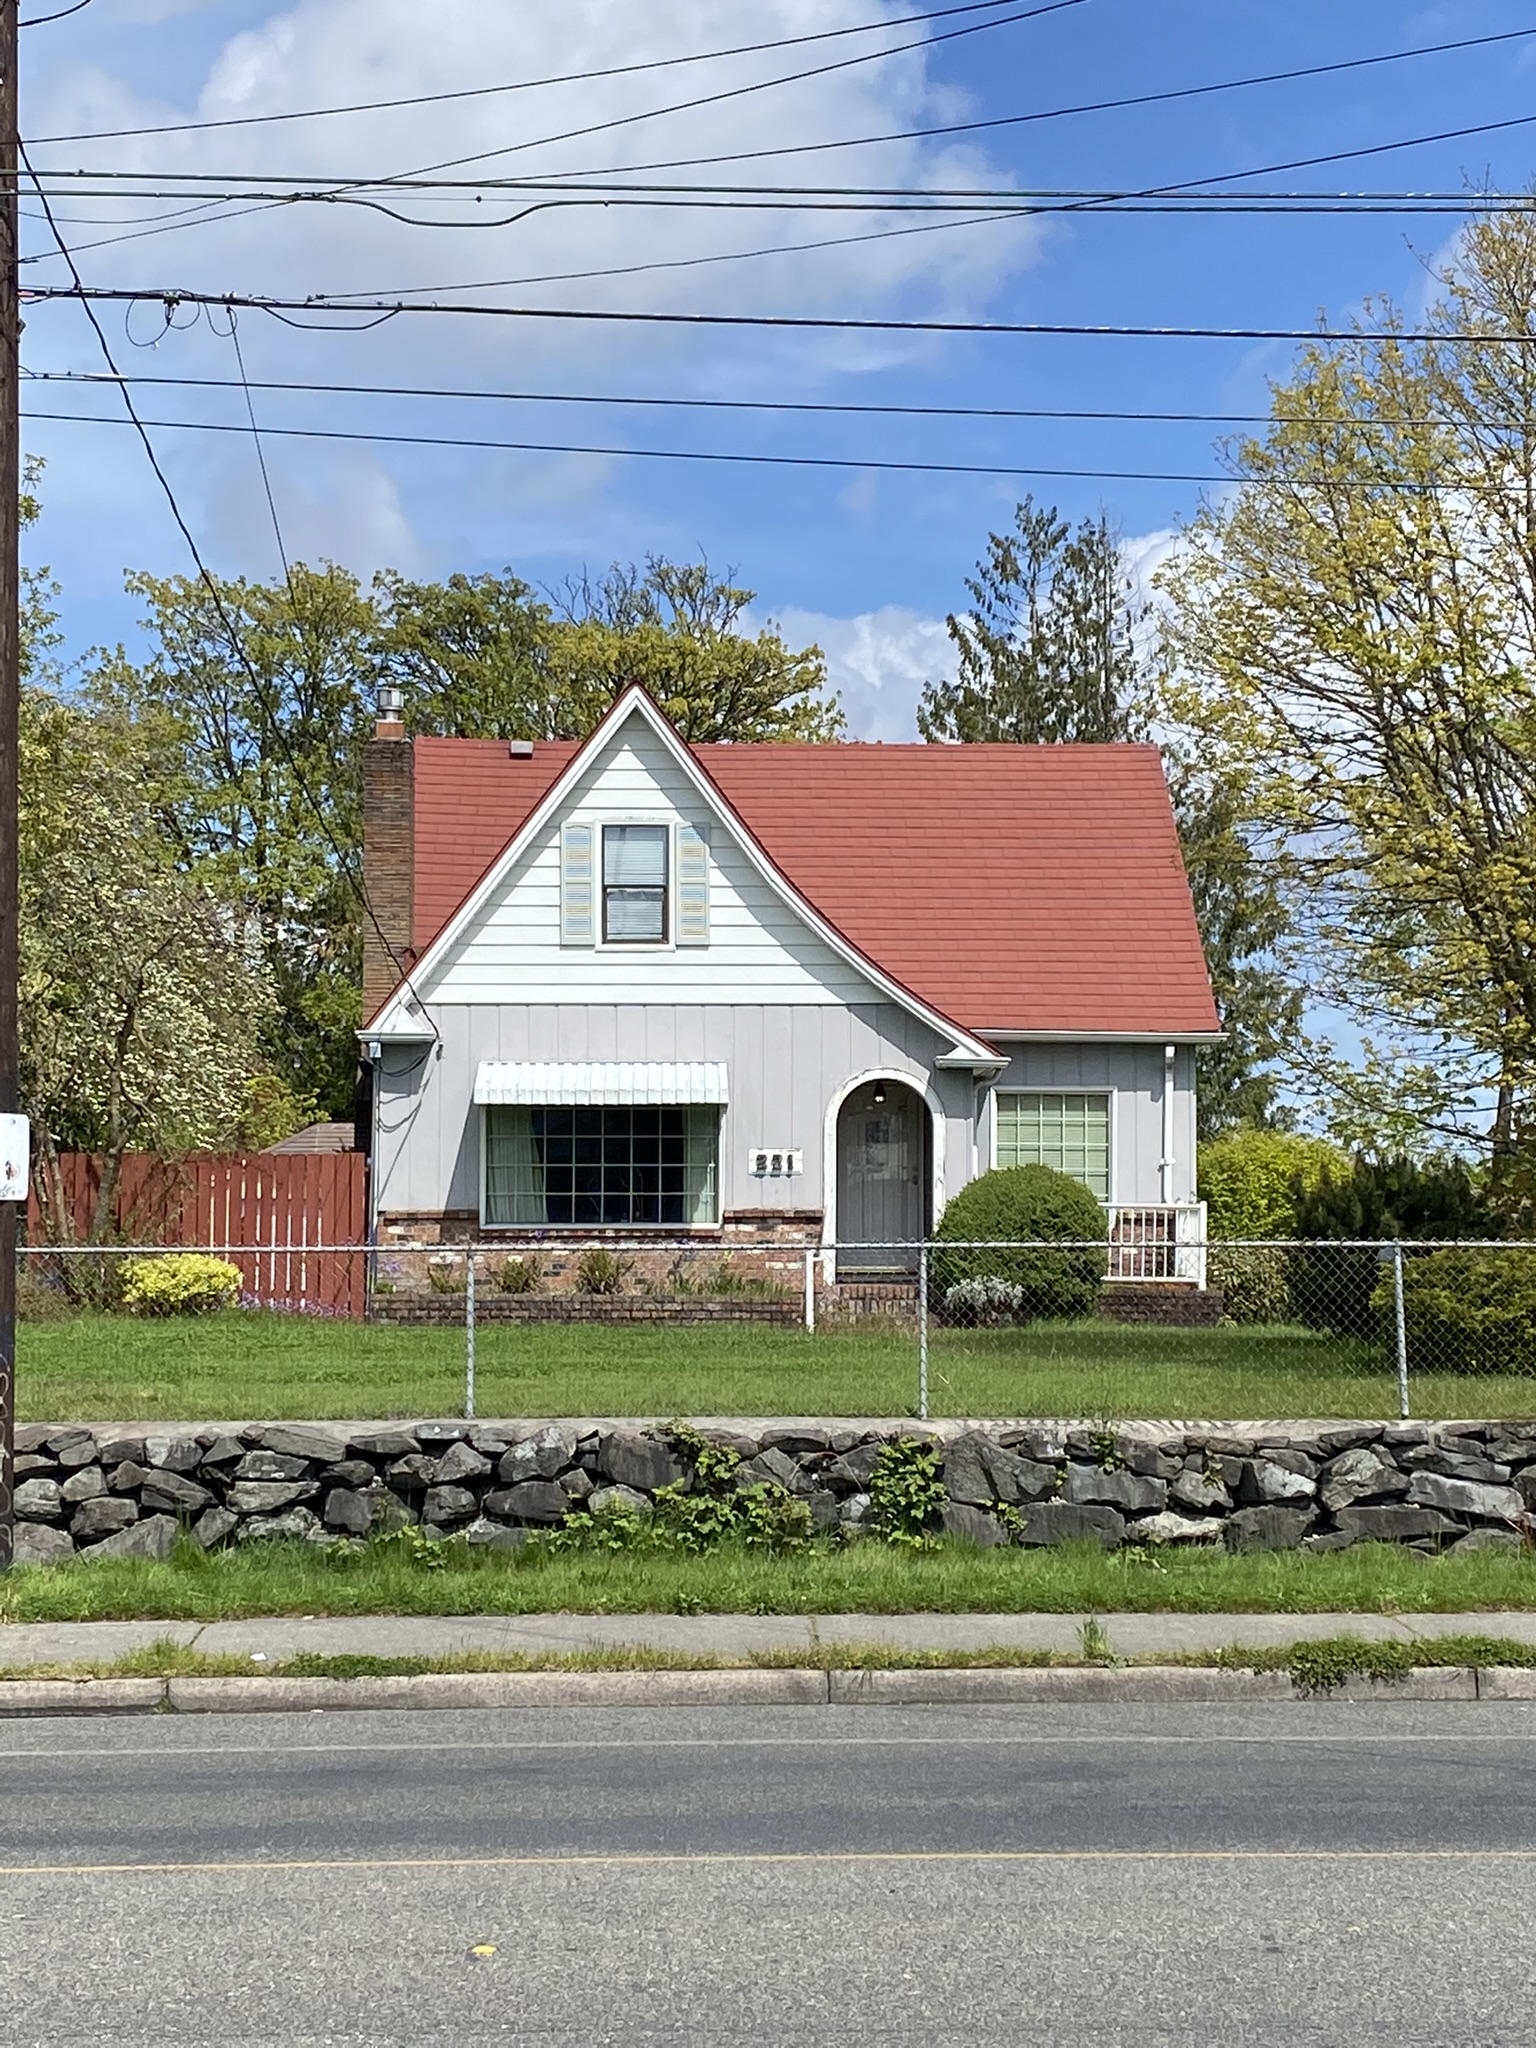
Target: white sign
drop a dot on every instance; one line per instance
(15, 1158)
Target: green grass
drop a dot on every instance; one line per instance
(870, 1578)
(101, 1367)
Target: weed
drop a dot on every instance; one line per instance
(1105, 1447)
(906, 1493)
(602, 1272)
(1093, 1639)
(521, 1276)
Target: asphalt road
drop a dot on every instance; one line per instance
(1299, 1875)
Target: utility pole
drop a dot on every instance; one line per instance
(10, 704)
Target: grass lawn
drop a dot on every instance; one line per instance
(243, 1363)
(869, 1578)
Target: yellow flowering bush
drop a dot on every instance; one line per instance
(180, 1284)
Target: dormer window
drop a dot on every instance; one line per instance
(635, 885)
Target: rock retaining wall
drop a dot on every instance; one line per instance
(120, 1493)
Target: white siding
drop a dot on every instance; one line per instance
(759, 950)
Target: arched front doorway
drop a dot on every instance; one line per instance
(884, 1174)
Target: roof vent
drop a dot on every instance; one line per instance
(520, 750)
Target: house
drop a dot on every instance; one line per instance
(780, 993)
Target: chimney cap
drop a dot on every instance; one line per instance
(520, 750)
(391, 700)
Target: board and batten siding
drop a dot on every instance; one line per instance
(758, 950)
(1133, 1077)
(785, 1064)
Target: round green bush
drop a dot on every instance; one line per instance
(1464, 1311)
(1253, 1282)
(1028, 1207)
(1252, 1181)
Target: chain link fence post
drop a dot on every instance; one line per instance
(922, 1332)
(810, 1287)
(1400, 1331)
(469, 1335)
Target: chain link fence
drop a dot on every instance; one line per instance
(563, 1326)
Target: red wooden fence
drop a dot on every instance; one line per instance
(269, 1212)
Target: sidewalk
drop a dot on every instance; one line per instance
(714, 1636)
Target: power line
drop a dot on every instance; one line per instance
(476, 92)
(38, 20)
(765, 405)
(1083, 107)
(752, 458)
(205, 576)
(172, 297)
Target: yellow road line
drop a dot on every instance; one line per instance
(837, 1856)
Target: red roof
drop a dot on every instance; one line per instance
(1011, 888)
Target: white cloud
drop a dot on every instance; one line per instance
(878, 663)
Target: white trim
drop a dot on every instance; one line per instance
(938, 1129)
(1009, 1034)
(1112, 1099)
(635, 703)
(581, 1083)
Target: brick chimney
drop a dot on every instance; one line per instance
(389, 851)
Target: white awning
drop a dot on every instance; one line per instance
(570, 1083)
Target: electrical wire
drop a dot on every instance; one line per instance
(38, 20)
(750, 458)
(475, 92)
(205, 576)
(172, 298)
(765, 405)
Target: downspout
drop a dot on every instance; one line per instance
(1165, 1164)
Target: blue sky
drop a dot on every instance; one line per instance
(866, 562)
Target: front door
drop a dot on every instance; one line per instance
(881, 1164)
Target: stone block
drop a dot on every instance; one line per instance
(854, 1469)
(104, 1516)
(172, 1493)
(577, 1486)
(1087, 1486)
(271, 1465)
(127, 1477)
(1266, 1484)
(32, 1464)
(1360, 1475)
(316, 1446)
(1451, 1463)
(1268, 1528)
(68, 1438)
(85, 1484)
(348, 1509)
(121, 1450)
(269, 1496)
(414, 1473)
(823, 1505)
(803, 1436)
(1466, 1497)
(460, 1462)
(383, 1443)
(37, 1543)
(1152, 1461)
(1331, 1441)
(76, 1454)
(1170, 1528)
(647, 1464)
(1394, 1524)
(214, 1526)
(437, 1436)
(608, 1500)
(972, 1525)
(297, 1525)
(32, 1437)
(532, 1500)
(1291, 1458)
(495, 1535)
(39, 1500)
(152, 1540)
(1199, 1493)
(540, 1456)
(450, 1504)
(173, 1453)
(223, 1450)
(352, 1472)
(1490, 1539)
(771, 1468)
(977, 1471)
(1058, 1521)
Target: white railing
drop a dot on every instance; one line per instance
(1158, 1242)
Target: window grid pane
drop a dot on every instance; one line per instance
(1068, 1132)
(626, 1165)
(635, 884)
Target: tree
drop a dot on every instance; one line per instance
(1354, 635)
(142, 998)
(263, 693)
(1049, 652)
(1055, 651)
(482, 656)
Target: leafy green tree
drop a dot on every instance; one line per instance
(1055, 650)
(261, 694)
(1048, 651)
(1353, 632)
(143, 997)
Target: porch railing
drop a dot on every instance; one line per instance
(1158, 1242)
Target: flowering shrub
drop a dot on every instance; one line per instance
(985, 1299)
(179, 1284)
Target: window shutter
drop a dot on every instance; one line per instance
(576, 921)
(693, 885)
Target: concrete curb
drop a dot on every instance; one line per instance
(1146, 1685)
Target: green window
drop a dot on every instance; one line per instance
(1069, 1132)
(624, 1165)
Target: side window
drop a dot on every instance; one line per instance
(1069, 1132)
